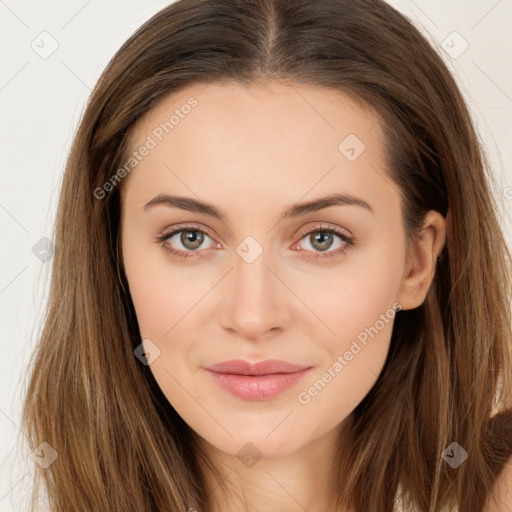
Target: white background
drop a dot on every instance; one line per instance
(42, 100)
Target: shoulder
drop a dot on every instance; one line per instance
(500, 497)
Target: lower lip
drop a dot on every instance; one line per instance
(257, 387)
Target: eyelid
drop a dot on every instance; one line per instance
(302, 232)
(321, 226)
(183, 227)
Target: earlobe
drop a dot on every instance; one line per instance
(420, 267)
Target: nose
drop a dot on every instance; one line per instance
(254, 300)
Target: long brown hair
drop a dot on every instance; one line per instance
(121, 446)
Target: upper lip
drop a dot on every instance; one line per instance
(267, 367)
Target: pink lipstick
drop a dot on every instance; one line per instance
(258, 381)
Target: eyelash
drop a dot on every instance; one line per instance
(349, 242)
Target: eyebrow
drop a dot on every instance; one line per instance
(194, 205)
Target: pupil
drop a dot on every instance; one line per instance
(322, 237)
(193, 237)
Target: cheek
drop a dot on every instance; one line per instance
(359, 306)
(361, 318)
(360, 294)
(155, 294)
(168, 297)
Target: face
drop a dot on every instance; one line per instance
(316, 287)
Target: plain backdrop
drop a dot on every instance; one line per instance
(42, 97)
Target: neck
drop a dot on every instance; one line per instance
(302, 480)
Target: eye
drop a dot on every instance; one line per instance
(189, 237)
(192, 238)
(323, 240)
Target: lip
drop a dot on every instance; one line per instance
(257, 381)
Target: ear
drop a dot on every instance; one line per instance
(421, 261)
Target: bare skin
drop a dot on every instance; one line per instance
(253, 152)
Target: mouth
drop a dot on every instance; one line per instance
(260, 381)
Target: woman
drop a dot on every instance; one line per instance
(280, 281)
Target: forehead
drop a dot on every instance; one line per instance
(218, 109)
(228, 140)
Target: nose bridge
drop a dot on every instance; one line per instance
(253, 303)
